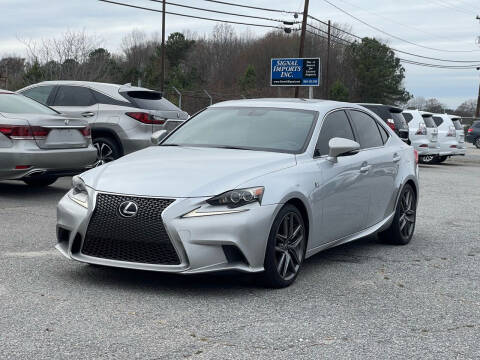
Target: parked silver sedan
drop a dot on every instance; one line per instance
(248, 185)
(37, 144)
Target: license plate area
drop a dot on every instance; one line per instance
(65, 138)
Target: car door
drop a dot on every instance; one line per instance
(342, 199)
(381, 163)
(77, 101)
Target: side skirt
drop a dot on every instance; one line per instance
(369, 231)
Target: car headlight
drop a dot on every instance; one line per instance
(238, 197)
(79, 193)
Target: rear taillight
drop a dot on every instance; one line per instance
(145, 118)
(451, 131)
(391, 124)
(470, 130)
(422, 129)
(24, 132)
(415, 152)
(86, 131)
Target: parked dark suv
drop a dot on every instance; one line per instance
(473, 134)
(393, 117)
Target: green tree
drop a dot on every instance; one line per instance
(33, 74)
(176, 48)
(249, 79)
(338, 92)
(378, 73)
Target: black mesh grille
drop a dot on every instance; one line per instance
(141, 238)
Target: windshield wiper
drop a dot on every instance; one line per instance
(170, 145)
(231, 147)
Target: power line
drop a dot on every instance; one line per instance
(453, 7)
(391, 35)
(221, 12)
(191, 16)
(252, 7)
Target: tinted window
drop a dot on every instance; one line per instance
(457, 124)
(383, 134)
(149, 100)
(381, 111)
(267, 129)
(429, 122)
(19, 104)
(476, 124)
(367, 129)
(408, 117)
(335, 124)
(438, 120)
(399, 120)
(74, 96)
(39, 93)
(104, 99)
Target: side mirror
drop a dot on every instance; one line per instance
(341, 147)
(157, 136)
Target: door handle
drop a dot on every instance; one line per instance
(88, 114)
(364, 169)
(396, 157)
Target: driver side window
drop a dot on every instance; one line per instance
(336, 124)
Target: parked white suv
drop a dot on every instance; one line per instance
(462, 147)
(122, 117)
(423, 134)
(447, 137)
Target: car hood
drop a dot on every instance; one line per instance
(167, 171)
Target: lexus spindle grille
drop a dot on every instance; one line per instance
(141, 238)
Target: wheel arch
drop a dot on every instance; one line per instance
(104, 132)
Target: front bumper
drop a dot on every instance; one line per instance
(199, 241)
(54, 162)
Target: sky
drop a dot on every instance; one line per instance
(440, 24)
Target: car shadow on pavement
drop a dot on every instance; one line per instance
(19, 190)
(201, 284)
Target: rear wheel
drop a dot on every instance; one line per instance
(441, 159)
(427, 159)
(107, 150)
(41, 181)
(401, 230)
(285, 249)
(477, 142)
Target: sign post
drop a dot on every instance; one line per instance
(295, 72)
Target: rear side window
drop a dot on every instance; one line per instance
(438, 120)
(149, 100)
(429, 122)
(39, 93)
(383, 134)
(336, 124)
(367, 130)
(74, 96)
(104, 99)
(408, 117)
(457, 124)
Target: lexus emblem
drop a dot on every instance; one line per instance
(67, 121)
(128, 209)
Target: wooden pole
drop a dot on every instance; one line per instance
(162, 76)
(327, 75)
(302, 38)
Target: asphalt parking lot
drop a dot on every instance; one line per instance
(360, 300)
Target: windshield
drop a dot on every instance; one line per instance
(457, 124)
(429, 122)
(399, 120)
(19, 104)
(268, 129)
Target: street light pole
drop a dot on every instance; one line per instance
(302, 38)
(162, 76)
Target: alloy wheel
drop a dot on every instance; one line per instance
(407, 213)
(104, 153)
(428, 159)
(289, 246)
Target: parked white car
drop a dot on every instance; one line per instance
(457, 122)
(447, 137)
(423, 134)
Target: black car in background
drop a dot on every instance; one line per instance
(473, 134)
(393, 117)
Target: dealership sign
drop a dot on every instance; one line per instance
(295, 72)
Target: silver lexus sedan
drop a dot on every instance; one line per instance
(248, 185)
(38, 145)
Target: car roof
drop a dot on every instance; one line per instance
(6, 92)
(392, 108)
(289, 103)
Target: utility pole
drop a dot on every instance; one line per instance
(302, 38)
(327, 85)
(477, 112)
(162, 76)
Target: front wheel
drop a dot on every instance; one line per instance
(401, 230)
(41, 181)
(441, 159)
(285, 249)
(107, 150)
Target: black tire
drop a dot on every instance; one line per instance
(441, 159)
(428, 159)
(40, 181)
(107, 150)
(476, 142)
(405, 216)
(285, 254)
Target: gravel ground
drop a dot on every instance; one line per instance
(358, 301)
